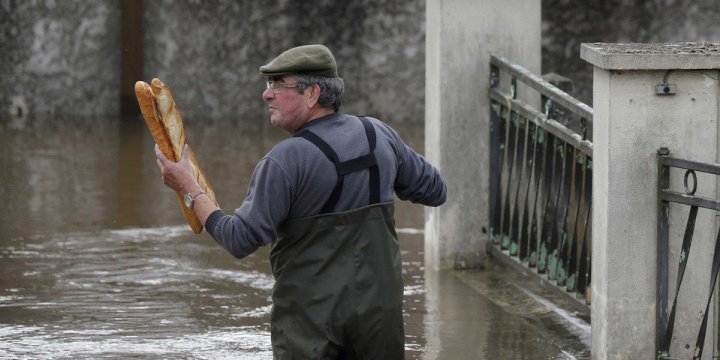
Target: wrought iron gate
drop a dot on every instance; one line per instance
(540, 180)
(666, 320)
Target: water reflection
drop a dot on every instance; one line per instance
(94, 261)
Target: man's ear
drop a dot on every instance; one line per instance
(313, 92)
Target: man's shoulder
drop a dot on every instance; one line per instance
(288, 146)
(290, 151)
(377, 123)
(382, 127)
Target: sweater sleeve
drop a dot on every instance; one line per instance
(417, 180)
(255, 222)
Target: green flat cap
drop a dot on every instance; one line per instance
(307, 59)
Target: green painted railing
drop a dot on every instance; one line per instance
(540, 179)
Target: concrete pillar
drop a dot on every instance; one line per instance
(460, 36)
(631, 121)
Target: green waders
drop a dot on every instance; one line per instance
(338, 278)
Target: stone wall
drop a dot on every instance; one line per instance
(210, 52)
(63, 57)
(59, 57)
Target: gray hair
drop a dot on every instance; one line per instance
(331, 89)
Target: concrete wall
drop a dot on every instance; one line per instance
(631, 122)
(461, 35)
(64, 57)
(210, 52)
(60, 57)
(224, 41)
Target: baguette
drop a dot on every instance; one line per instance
(164, 120)
(172, 120)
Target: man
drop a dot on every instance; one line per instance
(324, 200)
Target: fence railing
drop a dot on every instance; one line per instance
(666, 320)
(540, 180)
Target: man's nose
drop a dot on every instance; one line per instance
(268, 95)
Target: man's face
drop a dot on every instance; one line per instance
(288, 108)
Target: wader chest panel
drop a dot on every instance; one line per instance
(338, 290)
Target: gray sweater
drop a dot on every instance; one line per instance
(295, 179)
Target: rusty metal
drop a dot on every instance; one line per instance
(572, 260)
(690, 165)
(497, 141)
(682, 263)
(506, 213)
(539, 165)
(551, 126)
(536, 82)
(541, 179)
(548, 223)
(520, 159)
(584, 260)
(497, 152)
(663, 244)
(665, 322)
(685, 182)
(525, 250)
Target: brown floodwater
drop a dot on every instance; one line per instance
(96, 261)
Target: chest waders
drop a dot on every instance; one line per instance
(338, 277)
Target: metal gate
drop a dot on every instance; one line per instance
(540, 180)
(666, 320)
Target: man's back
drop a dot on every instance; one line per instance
(295, 179)
(316, 175)
(338, 273)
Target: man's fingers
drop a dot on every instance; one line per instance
(159, 154)
(174, 174)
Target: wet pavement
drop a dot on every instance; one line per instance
(96, 262)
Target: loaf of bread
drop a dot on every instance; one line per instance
(164, 120)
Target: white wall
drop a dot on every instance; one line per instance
(461, 35)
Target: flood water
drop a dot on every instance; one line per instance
(96, 261)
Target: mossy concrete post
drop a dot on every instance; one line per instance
(460, 36)
(634, 116)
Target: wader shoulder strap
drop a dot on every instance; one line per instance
(374, 181)
(346, 167)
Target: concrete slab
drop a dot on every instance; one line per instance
(661, 56)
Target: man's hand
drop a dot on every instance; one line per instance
(177, 175)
